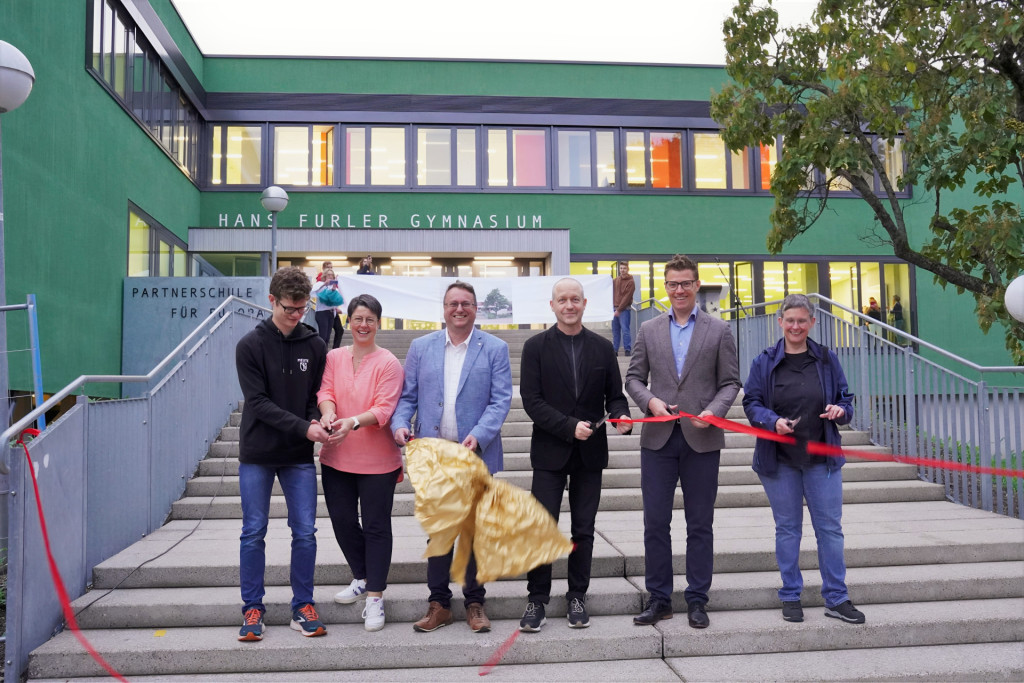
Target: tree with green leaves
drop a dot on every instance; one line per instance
(495, 301)
(943, 79)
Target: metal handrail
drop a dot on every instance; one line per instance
(916, 340)
(56, 398)
(655, 303)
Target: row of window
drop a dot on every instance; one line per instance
(484, 157)
(128, 65)
(153, 250)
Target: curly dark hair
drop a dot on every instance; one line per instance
(290, 283)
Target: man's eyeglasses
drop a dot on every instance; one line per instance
(672, 285)
(468, 305)
(292, 310)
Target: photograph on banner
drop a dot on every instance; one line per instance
(500, 301)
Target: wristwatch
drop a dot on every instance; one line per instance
(355, 423)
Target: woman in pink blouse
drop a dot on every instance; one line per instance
(360, 463)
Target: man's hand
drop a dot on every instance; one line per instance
(617, 313)
(317, 433)
(583, 430)
(624, 427)
(701, 424)
(401, 436)
(471, 443)
(658, 408)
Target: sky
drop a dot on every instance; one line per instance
(642, 31)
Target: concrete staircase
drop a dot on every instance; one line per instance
(942, 587)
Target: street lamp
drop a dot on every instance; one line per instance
(1014, 299)
(16, 79)
(274, 199)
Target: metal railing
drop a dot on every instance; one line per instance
(108, 471)
(918, 399)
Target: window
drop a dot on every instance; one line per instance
(657, 155)
(715, 168)
(153, 250)
(304, 155)
(127, 65)
(384, 156)
(517, 154)
(892, 159)
(237, 152)
(769, 157)
(586, 158)
(439, 150)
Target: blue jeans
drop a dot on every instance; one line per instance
(824, 493)
(620, 323)
(255, 483)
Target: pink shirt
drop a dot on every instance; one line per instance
(376, 387)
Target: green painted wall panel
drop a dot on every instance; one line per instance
(462, 78)
(180, 33)
(73, 159)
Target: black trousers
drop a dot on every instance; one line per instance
(439, 571)
(367, 546)
(584, 498)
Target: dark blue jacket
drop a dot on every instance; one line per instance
(758, 403)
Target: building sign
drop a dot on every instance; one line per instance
(159, 312)
(441, 221)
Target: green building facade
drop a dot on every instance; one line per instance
(136, 155)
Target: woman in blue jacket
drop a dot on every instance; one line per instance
(797, 387)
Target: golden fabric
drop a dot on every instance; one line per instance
(456, 497)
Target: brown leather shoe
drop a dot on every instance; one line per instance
(435, 618)
(477, 618)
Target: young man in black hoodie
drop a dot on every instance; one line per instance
(280, 364)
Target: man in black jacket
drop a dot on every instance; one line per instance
(570, 382)
(280, 364)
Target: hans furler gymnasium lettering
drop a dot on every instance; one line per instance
(446, 221)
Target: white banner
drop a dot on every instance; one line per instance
(500, 301)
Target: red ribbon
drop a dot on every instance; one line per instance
(62, 593)
(818, 448)
(498, 654)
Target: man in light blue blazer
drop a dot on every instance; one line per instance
(458, 383)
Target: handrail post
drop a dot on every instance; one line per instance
(984, 445)
(37, 366)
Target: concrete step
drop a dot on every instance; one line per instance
(405, 602)
(971, 662)
(738, 495)
(202, 650)
(205, 553)
(617, 478)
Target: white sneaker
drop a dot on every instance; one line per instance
(356, 590)
(373, 614)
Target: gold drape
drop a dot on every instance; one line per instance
(456, 497)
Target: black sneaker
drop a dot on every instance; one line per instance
(533, 617)
(792, 611)
(577, 614)
(847, 612)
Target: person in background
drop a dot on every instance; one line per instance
(366, 266)
(623, 288)
(798, 388)
(896, 319)
(328, 300)
(326, 266)
(361, 464)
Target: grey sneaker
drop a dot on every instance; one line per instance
(533, 617)
(792, 611)
(577, 614)
(847, 612)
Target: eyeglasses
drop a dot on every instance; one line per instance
(292, 310)
(672, 285)
(452, 305)
(362, 321)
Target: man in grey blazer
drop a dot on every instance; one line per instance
(691, 361)
(458, 383)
